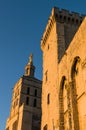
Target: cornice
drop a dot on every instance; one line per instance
(48, 28)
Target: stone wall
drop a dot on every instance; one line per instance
(63, 88)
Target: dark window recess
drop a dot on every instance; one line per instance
(46, 76)
(27, 100)
(35, 103)
(28, 90)
(48, 99)
(45, 127)
(35, 94)
(48, 46)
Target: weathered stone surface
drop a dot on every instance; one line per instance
(64, 73)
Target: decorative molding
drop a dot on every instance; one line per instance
(47, 30)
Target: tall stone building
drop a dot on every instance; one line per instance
(25, 112)
(64, 72)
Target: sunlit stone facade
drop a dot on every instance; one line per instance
(25, 111)
(64, 72)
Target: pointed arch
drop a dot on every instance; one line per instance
(73, 91)
(61, 104)
(74, 69)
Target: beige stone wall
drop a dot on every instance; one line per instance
(65, 33)
(49, 113)
(15, 98)
(77, 48)
(63, 88)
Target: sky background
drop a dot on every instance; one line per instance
(22, 23)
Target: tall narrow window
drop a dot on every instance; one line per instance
(48, 46)
(35, 94)
(61, 104)
(35, 103)
(27, 100)
(73, 88)
(48, 99)
(28, 90)
(46, 76)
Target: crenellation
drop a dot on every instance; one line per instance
(61, 16)
(68, 17)
(64, 11)
(67, 13)
(75, 14)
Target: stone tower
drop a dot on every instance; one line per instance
(25, 112)
(60, 30)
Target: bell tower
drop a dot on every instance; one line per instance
(25, 112)
(30, 68)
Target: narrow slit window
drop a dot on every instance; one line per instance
(48, 99)
(46, 76)
(35, 94)
(35, 103)
(27, 100)
(28, 90)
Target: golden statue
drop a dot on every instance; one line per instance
(31, 59)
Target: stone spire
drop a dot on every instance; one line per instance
(30, 68)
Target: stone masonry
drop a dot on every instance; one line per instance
(64, 72)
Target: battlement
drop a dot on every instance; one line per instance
(65, 16)
(61, 16)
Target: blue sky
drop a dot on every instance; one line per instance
(22, 23)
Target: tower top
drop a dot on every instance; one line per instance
(61, 16)
(30, 68)
(30, 59)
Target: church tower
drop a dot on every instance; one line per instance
(25, 111)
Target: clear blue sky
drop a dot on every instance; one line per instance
(22, 23)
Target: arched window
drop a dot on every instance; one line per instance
(61, 104)
(73, 90)
(74, 69)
